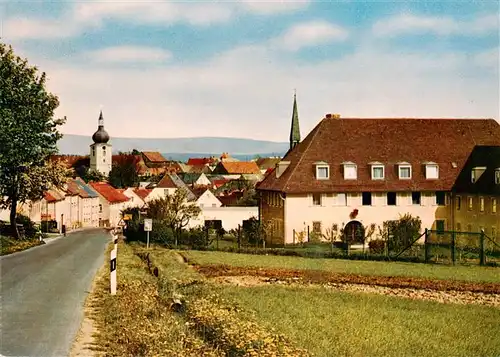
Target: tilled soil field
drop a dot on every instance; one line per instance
(446, 291)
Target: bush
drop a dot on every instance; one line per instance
(30, 229)
(161, 234)
(377, 246)
(401, 233)
(315, 237)
(196, 238)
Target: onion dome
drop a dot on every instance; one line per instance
(101, 136)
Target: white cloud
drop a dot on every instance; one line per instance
(266, 7)
(489, 58)
(408, 23)
(25, 28)
(82, 16)
(310, 34)
(129, 54)
(247, 92)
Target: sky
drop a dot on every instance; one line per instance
(163, 69)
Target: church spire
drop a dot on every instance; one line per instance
(295, 129)
(101, 120)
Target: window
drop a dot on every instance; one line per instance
(350, 171)
(469, 227)
(104, 148)
(316, 197)
(440, 198)
(481, 204)
(341, 199)
(165, 191)
(470, 203)
(317, 227)
(431, 170)
(93, 151)
(404, 171)
(493, 205)
(416, 198)
(214, 205)
(459, 227)
(391, 198)
(440, 225)
(377, 171)
(497, 176)
(367, 199)
(476, 173)
(322, 171)
(100, 208)
(458, 202)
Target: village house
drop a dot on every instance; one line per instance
(266, 163)
(195, 179)
(135, 200)
(55, 207)
(234, 169)
(111, 203)
(167, 186)
(204, 197)
(355, 172)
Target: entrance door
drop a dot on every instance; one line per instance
(354, 233)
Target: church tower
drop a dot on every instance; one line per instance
(100, 150)
(295, 129)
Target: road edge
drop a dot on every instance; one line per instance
(84, 339)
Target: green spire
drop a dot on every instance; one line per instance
(295, 130)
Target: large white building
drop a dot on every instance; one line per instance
(101, 150)
(357, 172)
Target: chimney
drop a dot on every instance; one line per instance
(328, 116)
(332, 116)
(281, 168)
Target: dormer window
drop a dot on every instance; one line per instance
(377, 171)
(350, 171)
(497, 176)
(431, 170)
(322, 170)
(476, 173)
(404, 170)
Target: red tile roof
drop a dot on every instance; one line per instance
(49, 197)
(154, 156)
(200, 161)
(166, 182)
(142, 192)
(237, 167)
(389, 141)
(266, 163)
(111, 194)
(76, 190)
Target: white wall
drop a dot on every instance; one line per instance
(135, 200)
(231, 217)
(208, 199)
(159, 193)
(300, 211)
(102, 159)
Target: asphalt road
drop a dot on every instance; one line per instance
(43, 291)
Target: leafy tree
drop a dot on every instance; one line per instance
(124, 171)
(250, 198)
(401, 233)
(28, 133)
(135, 152)
(174, 210)
(88, 175)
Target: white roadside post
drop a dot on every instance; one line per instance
(148, 227)
(113, 271)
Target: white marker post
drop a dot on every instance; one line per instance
(148, 227)
(113, 271)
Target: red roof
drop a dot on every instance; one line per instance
(237, 167)
(219, 183)
(200, 161)
(166, 182)
(111, 194)
(74, 189)
(154, 156)
(49, 198)
(447, 142)
(142, 192)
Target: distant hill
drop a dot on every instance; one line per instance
(179, 148)
(183, 157)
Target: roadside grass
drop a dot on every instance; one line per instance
(369, 268)
(136, 322)
(10, 245)
(348, 324)
(218, 321)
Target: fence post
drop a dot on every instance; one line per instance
(113, 271)
(453, 244)
(308, 239)
(293, 239)
(426, 246)
(239, 237)
(482, 260)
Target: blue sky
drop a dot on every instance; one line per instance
(199, 68)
